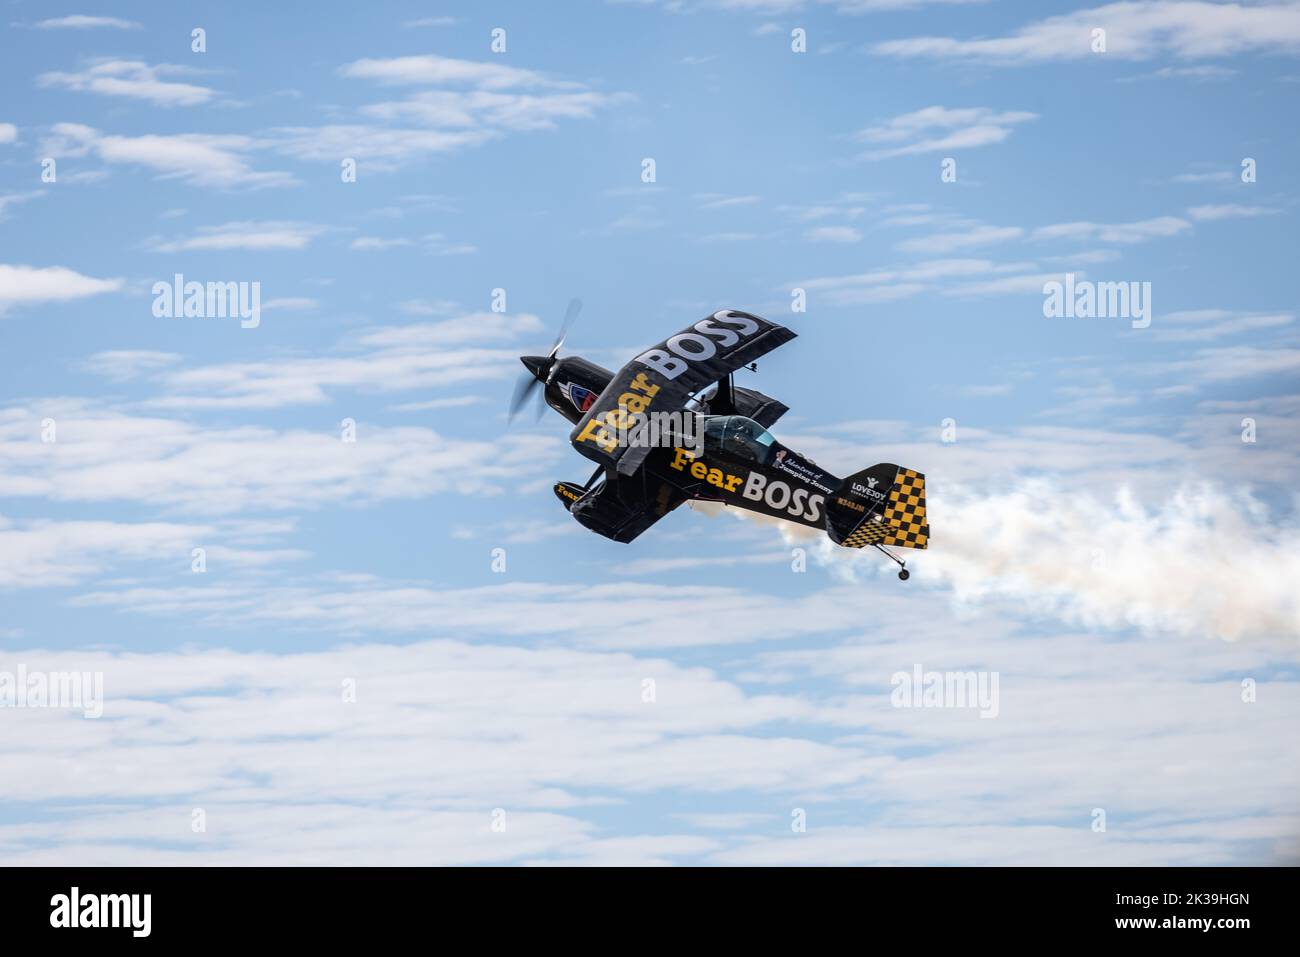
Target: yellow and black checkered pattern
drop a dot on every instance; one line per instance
(903, 522)
(871, 532)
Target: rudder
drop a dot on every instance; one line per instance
(882, 505)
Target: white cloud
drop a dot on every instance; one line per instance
(8, 132)
(435, 243)
(1206, 72)
(109, 456)
(132, 78)
(723, 201)
(259, 236)
(122, 365)
(475, 102)
(452, 402)
(952, 240)
(1213, 212)
(553, 734)
(291, 303)
(196, 158)
(1135, 232)
(874, 6)
(430, 22)
(470, 109)
(24, 285)
(422, 356)
(847, 206)
(1188, 29)
(938, 128)
(735, 236)
(1214, 176)
(380, 148)
(378, 242)
(428, 307)
(886, 285)
(13, 199)
(1007, 285)
(43, 553)
(833, 234)
(83, 22)
(432, 70)
(1204, 325)
(1230, 363)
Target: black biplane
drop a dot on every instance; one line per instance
(671, 426)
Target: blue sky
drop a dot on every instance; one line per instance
(1103, 538)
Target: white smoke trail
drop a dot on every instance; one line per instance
(1205, 562)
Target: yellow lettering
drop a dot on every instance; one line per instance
(715, 477)
(642, 384)
(593, 432)
(699, 470)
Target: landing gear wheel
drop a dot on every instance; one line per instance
(904, 575)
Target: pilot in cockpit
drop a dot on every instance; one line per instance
(739, 436)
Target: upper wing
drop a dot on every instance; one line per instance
(663, 377)
(752, 404)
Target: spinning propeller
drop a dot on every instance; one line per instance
(539, 367)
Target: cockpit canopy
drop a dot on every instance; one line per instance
(740, 437)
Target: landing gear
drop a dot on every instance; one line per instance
(903, 573)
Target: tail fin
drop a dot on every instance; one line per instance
(882, 505)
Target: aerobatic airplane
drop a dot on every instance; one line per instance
(671, 426)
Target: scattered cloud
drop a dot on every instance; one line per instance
(951, 241)
(123, 365)
(433, 70)
(133, 79)
(888, 284)
(430, 22)
(1202, 73)
(1124, 233)
(419, 356)
(1212, 212)
(291, 304)
(83, 22)
(13, 199)
(257, 236)
(1186, 29)
(937, 128)
(200, 159)
(435, 243)
(26, 285)
(731, 237)
(1204, 325)
(1208, 176)
(833, 234)
(723, 201)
